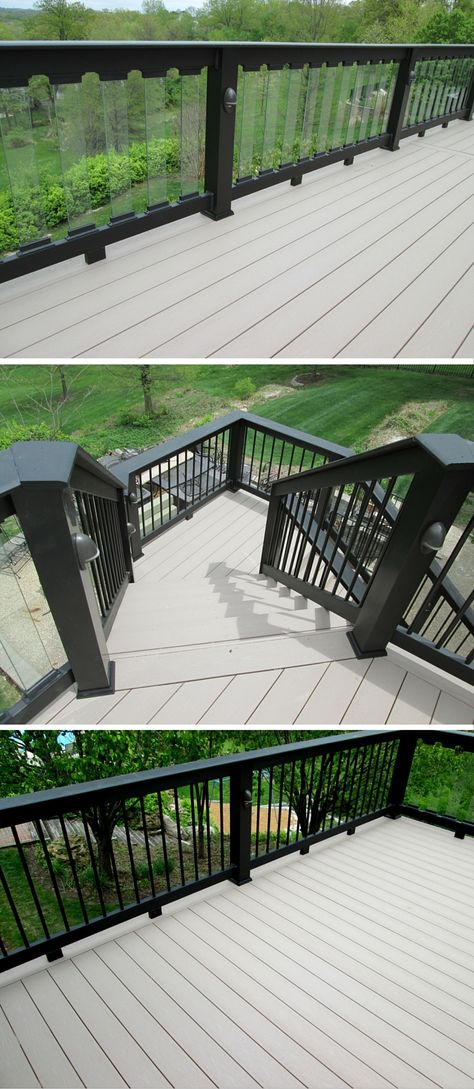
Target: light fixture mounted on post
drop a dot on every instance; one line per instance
(86, 549)
(433, 538)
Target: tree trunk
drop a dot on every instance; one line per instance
(64, 389)
(146, 380)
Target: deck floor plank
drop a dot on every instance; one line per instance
(203, 637)
(260, 284)
(331, 971)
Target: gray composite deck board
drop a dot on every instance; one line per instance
(350, 967)
(371, 260)
(202, 638)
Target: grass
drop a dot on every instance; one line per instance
(346, 406)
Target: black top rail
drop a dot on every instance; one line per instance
(116, 848)
(337, 101)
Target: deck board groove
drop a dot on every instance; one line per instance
(296, 271)
(202, 637)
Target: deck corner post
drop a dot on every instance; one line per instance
(434, 497)
(236, 455)
(241, 823)
(50, 523)
(220, 127)
(405, 77)
(401, 773)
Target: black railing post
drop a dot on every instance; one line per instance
(236, 455)
(405, 77)
(134, 519)
(272, 515)
(401, 772)
(434, 498)
(240, 823)
(126, 534)
(469, 107)
(220, 127)
(50, 523)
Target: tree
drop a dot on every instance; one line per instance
(146, 382)
(62, 20)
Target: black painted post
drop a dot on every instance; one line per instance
(220, 128)
(236, 455)
(134, 518)
(125, 535)
(405, 77)
(435, 495)
(272, 515)
(49, 521)
(469, 107)
(401, 772)
(241, 823)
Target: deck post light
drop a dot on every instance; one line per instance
(86, 549)
(433, 538)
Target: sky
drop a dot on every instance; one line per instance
(110, 5)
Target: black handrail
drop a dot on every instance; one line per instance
(129, 856)
(335, 535)
(402, 90)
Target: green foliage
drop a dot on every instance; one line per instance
(245, 388)
(443, 780)
(17, 432)
(452, 27)
(159, 867)
(88, 184)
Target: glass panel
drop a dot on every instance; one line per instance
(253, 111)
(158, 154)
(382, 97)
(30, 646)
(307, 137)
(343, 110)
(293, 110)
(272, 102)
(325, 107)
(114, 97)
(356, 105)
(21, 164)
(73, 153)
(369, 99)
(332, 140)
(191, 142)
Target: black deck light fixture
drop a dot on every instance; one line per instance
(86, 549)
(433, 538)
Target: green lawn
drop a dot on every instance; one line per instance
(348, 404)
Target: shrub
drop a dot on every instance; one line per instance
(244, 387)
(15, 432)
(88, 184)
(159, 867)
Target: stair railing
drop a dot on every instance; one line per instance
(359, 537)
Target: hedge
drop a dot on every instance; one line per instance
(88, 184)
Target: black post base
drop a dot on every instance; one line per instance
(304, 850)
(364, 653)
(351, 831)
(95, 255)
(349, 162)
(55, 954)
(216, 216)
(155, 913)
(296, 181)
(87, 693)
(240, 881)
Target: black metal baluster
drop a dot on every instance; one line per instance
(259, 797)
(178, 832)
(52, 875)
(344, 786)
(152, 499)
(205, 788)
(221, 816)
(160, 486)
(31, 884)
(73, 869)
(93, 863)
(252, 456)
(163, 841)
(280, 803)
(95, 567)
(262, 455)
(269, 816)
(290, 802)
(147, 847)
(130, 853)
(193, 823)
